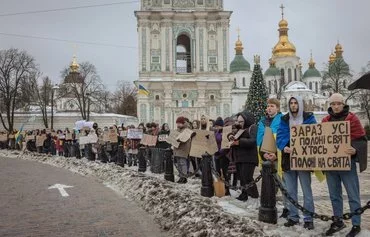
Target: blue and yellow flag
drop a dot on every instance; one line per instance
(143, 91)
(18, 136)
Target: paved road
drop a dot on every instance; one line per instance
(29, 208)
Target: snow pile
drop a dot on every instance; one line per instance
(178, 210)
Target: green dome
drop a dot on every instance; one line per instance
(339, 65)
(312, 72)
(272, 71)
(239, 64)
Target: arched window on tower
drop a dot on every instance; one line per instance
(317, 87)
(289, 74)
(244, 82)
(234, 82)
(282, 73)
(269, 87)
(275, 87)
(310, 85)
(295, 74)
(344, 84)
(183, 54)
(157, 97)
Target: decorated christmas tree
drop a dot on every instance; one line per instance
(257, 96)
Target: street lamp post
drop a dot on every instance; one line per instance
(55, 87)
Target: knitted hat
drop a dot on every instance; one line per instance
(219, 122)
(336, 97)
(180, 120)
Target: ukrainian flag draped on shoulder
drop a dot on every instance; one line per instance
(18, 136)
(260, 133)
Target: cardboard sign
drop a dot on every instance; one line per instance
(48, 131)
(238, 134)
(113, 137)
(162, 138)
(3, 138)
(185, 135)
(135, 133)
(149, 140)
(106, 136)
(226, 131)
(30, 137)
(11, 136)
(91, 138)
(123, 133)
(69, 136)
(172, 138)
(320, 146)
(40, 140)
(204, 141)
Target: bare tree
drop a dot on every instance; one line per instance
(364, 95)
(84, 88)
(42, 95)
(16, 70)
(125, 98)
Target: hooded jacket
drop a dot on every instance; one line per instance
(358, 134)
(283, 133)
(246, 151)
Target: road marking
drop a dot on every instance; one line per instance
(61, 188)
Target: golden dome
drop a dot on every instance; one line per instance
(284, 47)
(283, 23)
(332, 58)
(74, 65)
(239, 46)
(338, 50)
(311, 63)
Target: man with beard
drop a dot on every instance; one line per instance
(296, 116)
(339, 111)
(182, 152)
(244, 153)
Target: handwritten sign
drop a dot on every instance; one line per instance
(68, 136)
(91, 138)
(226, 131)
(320, 146)
(3, 138)
(135, 133)
(113, 137)
(204, 141)
(40, 140)
(30, 137)
(162, 138)
(172, 138)
(123, 134)
(185, 135)
(149, 140)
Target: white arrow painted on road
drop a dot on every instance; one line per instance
(61, 188)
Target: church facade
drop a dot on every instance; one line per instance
(183, 60)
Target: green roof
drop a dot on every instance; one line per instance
(272, 71)
(312, 72)
(340, 65)
(239, 64)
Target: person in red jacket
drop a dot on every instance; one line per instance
(339, 111)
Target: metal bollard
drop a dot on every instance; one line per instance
(267, 211)
(142, 159)
(120, 156)
(168, 166)
(207, 189)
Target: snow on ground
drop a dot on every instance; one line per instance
(179, 208)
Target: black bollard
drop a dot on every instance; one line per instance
(267, 211)
(168, 166)
(142, 159)
(120, 156)
(207, 189)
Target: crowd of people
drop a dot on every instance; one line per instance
(236, 163)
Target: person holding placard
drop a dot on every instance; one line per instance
(244, 152)
(182, 152)
(295, 116)
(339, 111)
(162, 137)
(271, 120)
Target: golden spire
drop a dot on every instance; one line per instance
(338, 50)
(332, 57)
(311, 63)
(238, 44)
(284, 47)
(74, 65)
(272, 62)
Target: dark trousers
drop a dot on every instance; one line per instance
(245, 172)
(222, 164)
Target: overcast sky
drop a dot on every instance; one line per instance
(313, 24)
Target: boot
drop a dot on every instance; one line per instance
(285, 213)
(243, 196)
(356, 229)
(335, 227)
